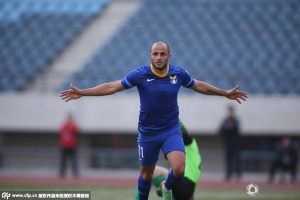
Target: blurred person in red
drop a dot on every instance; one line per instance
(285, 159)
(68, 143)
(230, 134)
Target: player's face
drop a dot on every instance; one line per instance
(160, 56)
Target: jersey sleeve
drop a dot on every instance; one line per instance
(188, 81)
(130, 80)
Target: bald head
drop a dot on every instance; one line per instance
(160, 55)
(162, 44)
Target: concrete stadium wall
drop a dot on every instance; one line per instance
(119, 112)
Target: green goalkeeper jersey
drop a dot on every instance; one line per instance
(192, 162)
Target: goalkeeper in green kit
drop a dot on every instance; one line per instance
(184, 190)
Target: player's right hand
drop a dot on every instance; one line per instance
(235, 94)
(71, 94)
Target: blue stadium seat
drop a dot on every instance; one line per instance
(233, 42)
(30, 27)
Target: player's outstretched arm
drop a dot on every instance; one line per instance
(100, 90)
(233, 94)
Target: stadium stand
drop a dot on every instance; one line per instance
(34, 32)
(253, 43)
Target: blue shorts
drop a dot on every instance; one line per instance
(167, 141)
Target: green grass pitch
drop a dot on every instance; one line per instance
(126, 193)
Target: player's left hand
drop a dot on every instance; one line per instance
(71, 94)
(235, 94)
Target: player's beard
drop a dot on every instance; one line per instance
(160, 69)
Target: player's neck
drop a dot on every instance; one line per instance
(160, 73)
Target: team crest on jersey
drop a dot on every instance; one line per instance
(173, 79)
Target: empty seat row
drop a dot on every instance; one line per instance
(34, 32)
(222, 42)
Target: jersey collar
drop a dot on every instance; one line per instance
(158, 74)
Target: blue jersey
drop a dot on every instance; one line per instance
(158, 97)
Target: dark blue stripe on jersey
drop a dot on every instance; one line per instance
(126, 84)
